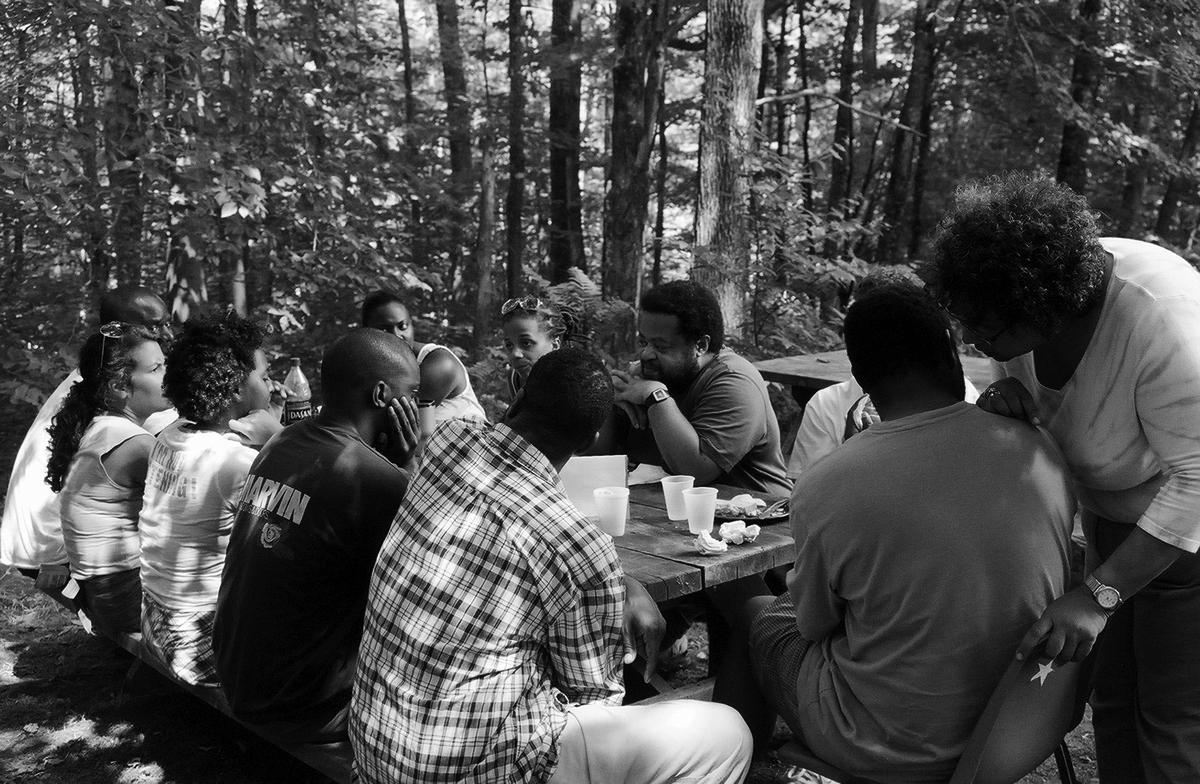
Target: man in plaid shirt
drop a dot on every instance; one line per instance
(497, 620)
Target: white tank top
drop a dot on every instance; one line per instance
(462, 405)
(99, 516)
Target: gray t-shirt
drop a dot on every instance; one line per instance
(926, 547)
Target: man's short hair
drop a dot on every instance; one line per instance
(897, 328)
(378, 299)
(568, 395)
(127, 304)
(355, 361)
(695, 306)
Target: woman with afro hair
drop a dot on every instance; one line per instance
(99, 451)
(216, 373)
(1100, 343)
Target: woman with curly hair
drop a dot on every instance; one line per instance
(216, 373)
(532, 328)
(1100, 339)
(99, 450)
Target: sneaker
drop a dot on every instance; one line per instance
(796, 775)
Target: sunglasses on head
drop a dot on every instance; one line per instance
(528, 303)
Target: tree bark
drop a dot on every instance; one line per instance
(918, 96)
(731, 70)
(485, 243)
(124, 143)
(660, 188)
(458, 125)
(565, 236)
(417, 251)
(1085, 82)
(870, 31)
(514, 200)
(640, 31)
(1180, 185)
(86, 125)
(806, 125)
(841, 167)
(1137, 171)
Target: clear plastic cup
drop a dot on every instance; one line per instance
(612, 509)
(673, 487)
(701, 505)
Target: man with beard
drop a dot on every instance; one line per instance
(696, 407)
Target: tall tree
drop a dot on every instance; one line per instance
(458, 124)
(566, 77)
(1180, 184)
(841, 166)
(918, 97)
(485, 242)
(125, 141)
(1137, 170)
(514, 200)
(1085, 83)
(417, 249)
(86, 118)
(640, 32)
(731, 71)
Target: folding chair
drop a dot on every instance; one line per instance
(1032, 708)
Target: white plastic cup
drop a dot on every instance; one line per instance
(701, 505)
(673, 487)
(612, 509)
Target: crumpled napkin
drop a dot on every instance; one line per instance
(737, 532)
(706, 545)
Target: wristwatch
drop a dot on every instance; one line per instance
(657, 396)
(1107, 597)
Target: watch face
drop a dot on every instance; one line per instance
(1108, 598)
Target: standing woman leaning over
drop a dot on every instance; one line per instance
(1100, 340)
(98, 456)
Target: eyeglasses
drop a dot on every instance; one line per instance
(528, 303)
(114, 330)
(988, 339)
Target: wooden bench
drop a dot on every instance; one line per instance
(333, 760)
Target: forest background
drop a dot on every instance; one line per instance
(286, 157)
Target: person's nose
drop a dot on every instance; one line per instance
(646, 353)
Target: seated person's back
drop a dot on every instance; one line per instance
(315, 509)
(216, 372)
(926, 546)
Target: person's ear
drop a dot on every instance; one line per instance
(702, 344)
(587, 443)
(116, 391)
(557, 343)
(381, 395)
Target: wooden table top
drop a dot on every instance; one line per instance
(661, 553)
(816, 371)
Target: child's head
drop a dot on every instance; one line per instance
(533, 328)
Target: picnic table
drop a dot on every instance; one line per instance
(661, 553)
(807, 373)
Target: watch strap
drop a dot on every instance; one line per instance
(657, 396)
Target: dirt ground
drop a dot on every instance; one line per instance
(74, 710)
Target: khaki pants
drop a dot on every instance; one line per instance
(676, 742)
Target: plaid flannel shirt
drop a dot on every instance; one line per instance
(493, 605)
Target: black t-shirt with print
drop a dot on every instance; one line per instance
(314, 512)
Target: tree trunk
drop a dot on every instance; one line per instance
(1133, 194)
(124, 143)
(417, 253)
(1085, 81)
(870, 30)
(806, 125)
(918, 96)
(1180, 185)
(731, 65)
(640, 30)
(841, 169)
(458, 125)
(565, 237)
(485, 244)
(660, 188)
(86, 125)
(514, 200)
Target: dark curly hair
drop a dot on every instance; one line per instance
(378, 299)
(208, 364)
(695, 306)
(105, 363)
(563, 319)
(1019, 247)
(568, 396)
(896, 328)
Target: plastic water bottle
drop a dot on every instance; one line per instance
(298, 404)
